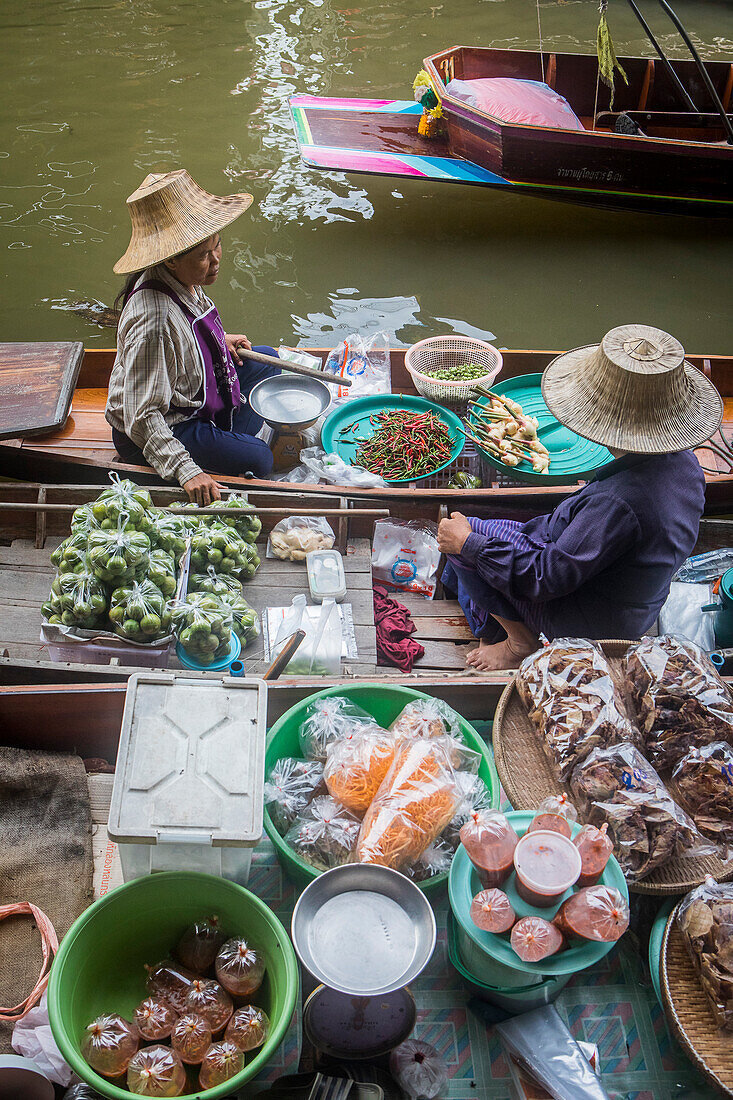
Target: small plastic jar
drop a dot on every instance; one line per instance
(546, 864)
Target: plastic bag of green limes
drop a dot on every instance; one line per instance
(160, 568)
(236, 512)
(70, 556)
(169, 532)
(218, 584)
(203, 626)
(245, 620)
(221, 548)
(76, 599)
(115, 555)
(124, 500)
(140, 612)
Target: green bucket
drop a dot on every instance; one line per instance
(384, 702)
(100, 964)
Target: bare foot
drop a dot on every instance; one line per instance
(501, 655)
(474, 655)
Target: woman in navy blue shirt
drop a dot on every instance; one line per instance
(600, 565)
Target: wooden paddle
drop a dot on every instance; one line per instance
(285, 364)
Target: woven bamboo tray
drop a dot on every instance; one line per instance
(526, 777)
(689, 1015)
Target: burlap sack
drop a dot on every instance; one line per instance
(45, 858)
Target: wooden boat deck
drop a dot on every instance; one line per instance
(82, 450)
(27, 538)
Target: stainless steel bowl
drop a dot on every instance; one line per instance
(363, 929)
(290, 400)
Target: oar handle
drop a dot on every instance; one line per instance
(282, 660)
(296, 368)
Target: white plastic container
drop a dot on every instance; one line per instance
(326, 577)
(188, 787)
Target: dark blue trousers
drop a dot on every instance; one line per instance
(236, 452)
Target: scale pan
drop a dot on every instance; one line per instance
(363, 929)
(290, 400)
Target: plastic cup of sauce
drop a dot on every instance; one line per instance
(547, 864)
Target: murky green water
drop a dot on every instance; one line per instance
(98, 94)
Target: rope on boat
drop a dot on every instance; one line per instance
(49, 944)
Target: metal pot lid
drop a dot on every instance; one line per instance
(363, 929)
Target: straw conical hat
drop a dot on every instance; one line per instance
(170, 213)
(634, 392)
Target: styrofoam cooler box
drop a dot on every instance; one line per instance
(189, 778)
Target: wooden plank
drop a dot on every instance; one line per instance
(421, 608)
(445, 655)
(36, 385)
(453, 628)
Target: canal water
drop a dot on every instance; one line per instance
(97, 94)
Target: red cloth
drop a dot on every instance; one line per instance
(394, 625)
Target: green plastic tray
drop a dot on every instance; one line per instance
(572, 458)
(384, 702)
(361, 408)
(464, 884)
(100, 965)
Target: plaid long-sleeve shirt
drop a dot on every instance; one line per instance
(157, 379)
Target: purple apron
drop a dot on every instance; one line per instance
(221, 392)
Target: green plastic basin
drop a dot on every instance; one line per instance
(384, 702)
(100, 964)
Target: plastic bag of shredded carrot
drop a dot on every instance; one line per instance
(417, 798)
(426, 718)
(328, 719)
(355, 767)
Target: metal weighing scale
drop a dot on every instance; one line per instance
(289, 403)
(365, 932)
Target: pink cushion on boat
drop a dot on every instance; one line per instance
(526, 102)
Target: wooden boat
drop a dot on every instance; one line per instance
(81, 450)
(35, 517)
(679, 163)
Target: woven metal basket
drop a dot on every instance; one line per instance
(441, 352)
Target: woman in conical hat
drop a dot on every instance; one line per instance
(601, 564)
(178, 391)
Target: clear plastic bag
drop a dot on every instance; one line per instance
(70, 555)
(366, 361)
(238, 513)
(703, 783)
(416, 800)
(332, 469)
(435, 860)
(160, 568)
(680, 700)
(705, 918)
(356, 766)
(140, 613)
(290, 787)
(292, 538)
(245, 620)
(325, 834)
(475, 797)
(220, 548)
(405, 556)
(490, 840)
(156, 1071)
(426, 718)
(203, 625)
(619, 787)
(108, 1044)
(573, 701)
(222, 585)
(599, 913)
(117, 554)
(76, 600)
(169, 532)
(419, 1070)
(319, 654)
(541, 1041)
(706, 567)
(682, 614)
(328, 719)
(124, 498)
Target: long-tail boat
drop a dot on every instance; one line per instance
(662, 142)
(78, 447)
